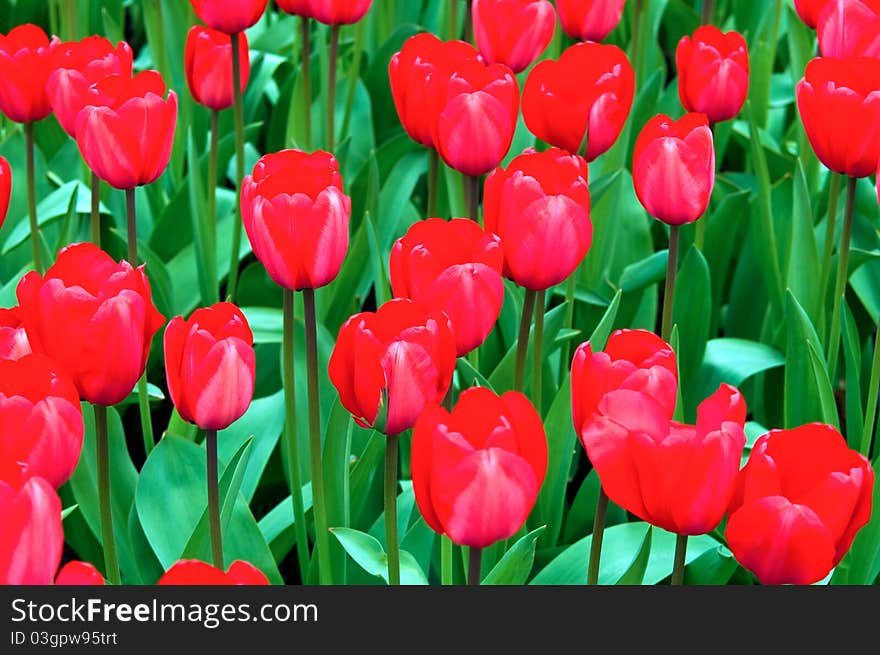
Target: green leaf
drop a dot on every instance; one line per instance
(802, 402)
(823, 387)
(645, 272)
(636, 572)
(733, 361)
(371, 557)
(855, 419)
(202, 225)
(67, 511)
(561, 441)
(603, 330)
(803, 254)
(692, 313)
(516, 564)
(714, 567)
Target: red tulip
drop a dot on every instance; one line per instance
(588, 90)
(5, 187)
(513, 32)
(229, 17)
(126, 133)
(849, 28)
(418, 74)
(338, 12)
(801, 499)
(80, 64)
(808, 10)
(13, 338)
(210, 365)
(208, 62)
(26, 60)
(674, 167)
(389, 364)
(635, 360)
(297, 7)
(32, 538)
(477, 471)
(540, 207)
(839, 102)
(296, 217)
(713, 72)
(79, 574)
(476, 114)
(589, 20)
(455, 267)
(195, 572)
(40, 420)
(94, 317)
(678, 477)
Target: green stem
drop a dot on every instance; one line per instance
(830, 229)
(433, 181)
(452, 21)
(669, 291)
(212, 197)
(537, 353)
(290, 439)
(681, 541)
(354, 74)
(95, 216)
(469, 22)
(472, 193)
(522, 340)
(306, 72)
(700, 234)
(708, 11)
(873, 389)
(238, 114)
(475, 560)
(445, 560)
(322, 542)
(842, 275)
(108, 541)
(391, 445)
(70, 19)
(32, 198)
(331, 88)
(214, 500)
(131, 227)
(598, 535)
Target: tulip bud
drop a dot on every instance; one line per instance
(79, 574)
(849, 28)
(477, 470)
(195, 572)
(674, 168)
(5, 187)
(296, 7)
(32, 538)
(338, 12)
(26, 60)
(589, 20)
(513, 32)
(13, 338)
(229, 17)
(208, 63)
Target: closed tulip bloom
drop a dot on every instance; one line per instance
(453, 266)
(208, 64)
(339, 12)
(588, 90)
(196, 572)
(81, 64)
(635, 360)
(674, 168)
(801, 499)
(808, 10)
(418, 74)
(476, 114)
(713, 72)
(94, 317)
(540, 207)
(79, 574)
(589, 20)
(296, 7)
(41, 422)
(32, 538)
(513, 32)
(13, 338)
(296, 217)
(389, 364)
(839, 103)
(849, 28)
(477, 471)
(126, 133)
(5, 187)
(26, 60)
(229, 17)
(210, 365)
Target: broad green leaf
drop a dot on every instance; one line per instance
(369, 554)
(802, 402)
(692, 313)
(823, 387)
(516, 564)
(636, 571)
(733, 361)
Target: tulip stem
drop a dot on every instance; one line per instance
(469, 22)
(475, 561)
(331, 88)
(842, 276)
(108, 541)
(290, 438)
(322, 542)
(522, 340)
(214, 500)
(391, 445)
(472, 193)
(32, 198)
(131, 227)
(212, 201)
(306, 72)
(433, 180)
(238, 115)
(537, 353)
(598, 535)
(445, 560)
(681, 542)
(871, 409)
(95, 216)
(830, 228)
(452, 21)
(708, 11)
(669, 291)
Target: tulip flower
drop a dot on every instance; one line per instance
(195, 572)
(32, 538)
(13, 338)
(808, 10)
(589, 20)
(455, 267)
(296, 7)
(229, 17)
(713, 72)
(79, 574)
(26, 60)
(5, 187)
(208, 65)
(513, 32)
(801, 498)
(584, 96)
(849, 28)
(477, 470)
(338, 12)
(81, 64)
(40, 420)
